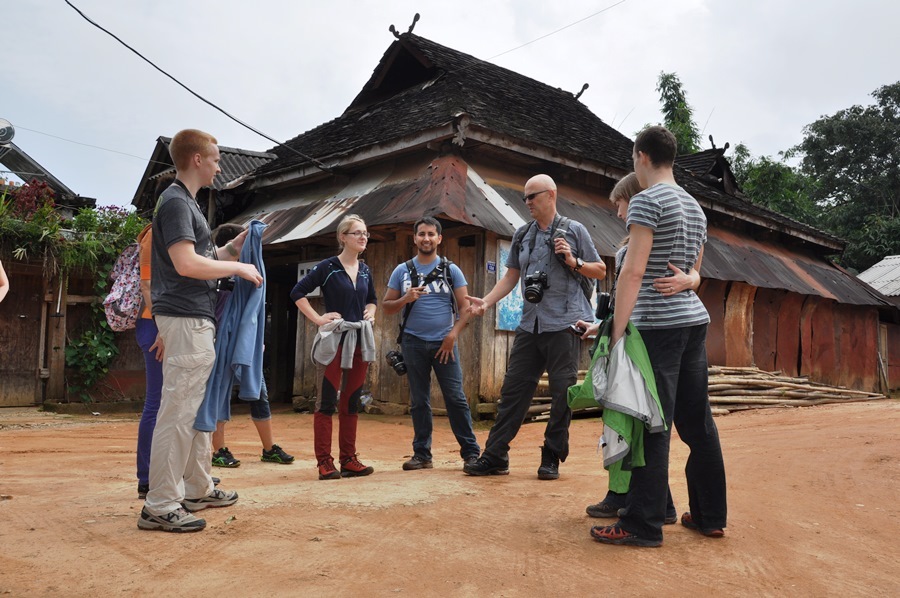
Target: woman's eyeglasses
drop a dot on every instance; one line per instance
(359, 234)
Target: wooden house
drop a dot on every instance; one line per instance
(440, 133)
(39, 310)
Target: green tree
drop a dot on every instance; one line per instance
(854, 157)
(774, 184)
(678, 116)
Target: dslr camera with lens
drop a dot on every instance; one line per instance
(395, 360)
(534, 286)
(603, 306)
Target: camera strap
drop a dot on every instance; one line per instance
(562, 223)
(442, 271)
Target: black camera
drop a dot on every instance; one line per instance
(603, 311)
(534, 287)
(395, 360)
(225, 284)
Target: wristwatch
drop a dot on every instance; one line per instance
(579, 264)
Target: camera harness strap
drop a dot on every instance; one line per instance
(561, 222)
(442, 271)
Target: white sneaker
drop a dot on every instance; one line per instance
(178, 520)
(217, 498)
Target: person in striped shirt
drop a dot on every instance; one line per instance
(666, 225)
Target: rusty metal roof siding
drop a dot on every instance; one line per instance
(731, 256)
(709, 196)
(884, 276)
(442, 188)
(453, 83)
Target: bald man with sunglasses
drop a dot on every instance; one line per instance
(555, 253)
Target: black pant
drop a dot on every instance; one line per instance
(532, 354)
(678, 356)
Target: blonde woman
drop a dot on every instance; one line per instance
(348, 293)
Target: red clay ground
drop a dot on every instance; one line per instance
(813, 501)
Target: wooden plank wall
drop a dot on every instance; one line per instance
(891, 356)
(20, 336)
(713, 294)
(382, 381)
(771, 329)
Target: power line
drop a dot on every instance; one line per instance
(105, 149)
(591, 16)
(318, 163)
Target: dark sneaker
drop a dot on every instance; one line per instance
(484, 466)
(224, 458)
(217, 498)
(327, 471)
(614, 534)
(417, 463)
(352, 468)
(604, 510)
(143, 489)
(669, 520)
(470, 460)
(276, 455)
(178, 520)
(549, 469)
(710, 532)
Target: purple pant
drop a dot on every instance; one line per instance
(146, 331)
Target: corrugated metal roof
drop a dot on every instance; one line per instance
(739, 257)
(884, 276)
(388, 196)
(27, 168)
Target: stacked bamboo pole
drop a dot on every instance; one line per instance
(739, 388)
(736, 388)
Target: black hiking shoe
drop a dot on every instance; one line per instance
(549, 469)
(484, 466)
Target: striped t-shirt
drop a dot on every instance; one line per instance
(679, 232)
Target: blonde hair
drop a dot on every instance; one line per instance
(626, 188)
(188, 142)
(345, 225)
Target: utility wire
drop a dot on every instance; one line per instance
(318, 163)
(105, 149)
(591, 16)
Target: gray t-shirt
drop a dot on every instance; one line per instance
(679, 232)
(564, 302)
(178, 218)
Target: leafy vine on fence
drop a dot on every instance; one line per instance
(33, 229)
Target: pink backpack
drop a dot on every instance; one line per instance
(123, 304)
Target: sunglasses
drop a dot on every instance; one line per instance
(533, 195)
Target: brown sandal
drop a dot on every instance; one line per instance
(688, 522)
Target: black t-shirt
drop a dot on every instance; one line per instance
(178, 218)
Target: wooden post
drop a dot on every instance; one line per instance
(56, 343)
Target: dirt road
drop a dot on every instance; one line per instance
(814, 510)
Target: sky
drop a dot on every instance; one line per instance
(755, 71)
